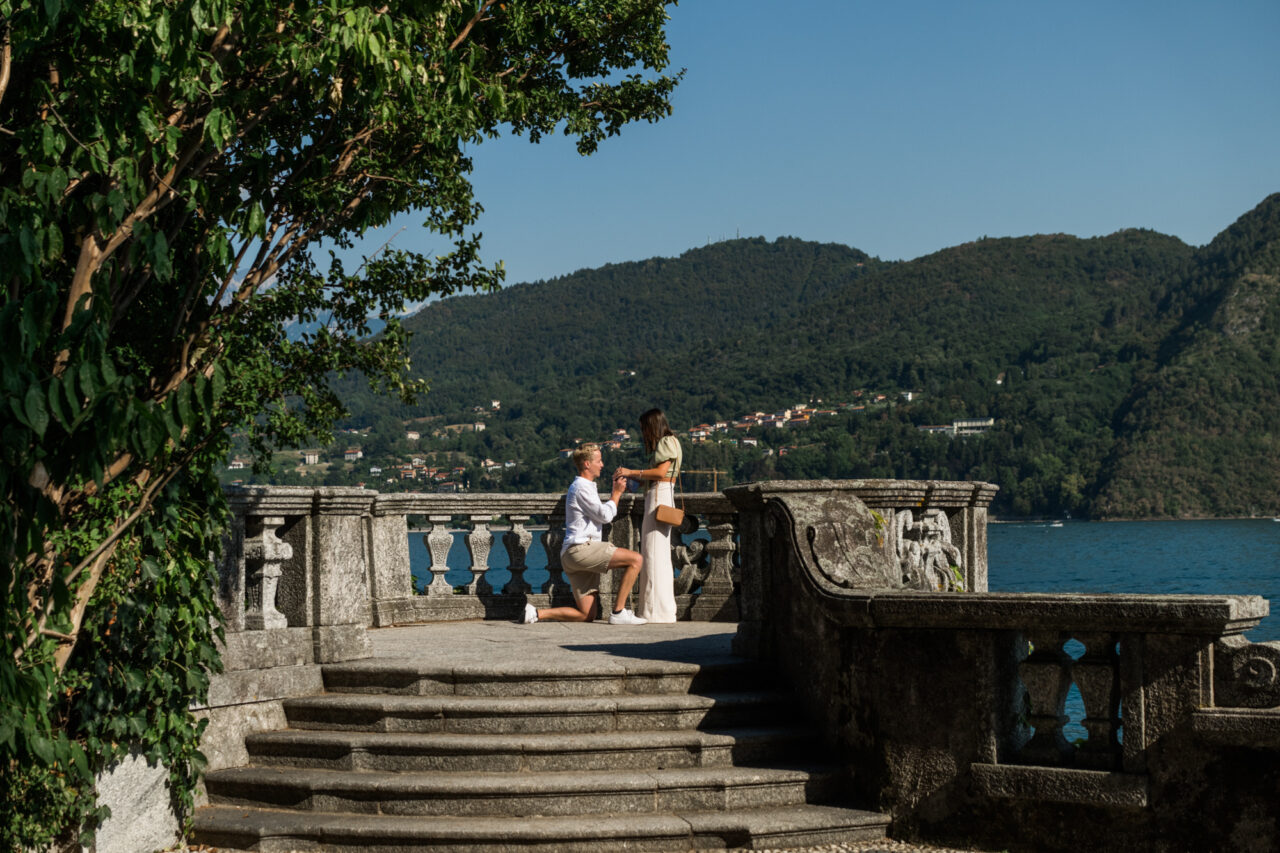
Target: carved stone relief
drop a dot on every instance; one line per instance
(928, 559)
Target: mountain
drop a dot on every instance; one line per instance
(1129, 375)
(1202, 435)
(580, 337)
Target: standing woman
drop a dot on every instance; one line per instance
(655, 596)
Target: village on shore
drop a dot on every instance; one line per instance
(425, 470)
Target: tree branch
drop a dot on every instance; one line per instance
(475, 19)
(6, 58)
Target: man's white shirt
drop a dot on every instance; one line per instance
(585, 515)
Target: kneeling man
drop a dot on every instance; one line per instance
(585, 555)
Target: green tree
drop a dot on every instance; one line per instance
(165, 170)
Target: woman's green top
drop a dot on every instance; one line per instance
(668, 449)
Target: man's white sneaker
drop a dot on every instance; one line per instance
(530, 614)
(626, 617)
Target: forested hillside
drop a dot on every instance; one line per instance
(1129, 375)
(572, 343)
(1202, 436)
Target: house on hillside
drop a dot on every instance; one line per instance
(310, 457)
(352, 454)
(973, 426)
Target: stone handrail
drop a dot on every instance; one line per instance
(950, 707)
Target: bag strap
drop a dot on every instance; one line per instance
(679, 484)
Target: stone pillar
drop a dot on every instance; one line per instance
(755, 579)
(340, 602)
(391, 577)
(969, 533)
(231, 574)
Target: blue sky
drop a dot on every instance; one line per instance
(904, 128)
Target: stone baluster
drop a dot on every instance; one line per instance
(1046, 673)
(479, 543)
(266, 552)
(517, 541)
(1096, 673)
(716, 601)
(721, 548)
(438, 541)
(552, 539)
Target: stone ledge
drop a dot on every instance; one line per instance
(1060, 785)
(253, 650)
(878, 494)
(1251, 727)
(261, 685)
(1209, 615)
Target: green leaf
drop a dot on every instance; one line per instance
(42, 747)
(18, 411)
(257, 220)
(171, 424)
(219, 381)
(108, 371)
(88, 383)
(149, 433)
(56, 404)
(30, 321)
(68, 386)
(184, 405)
(37, 414)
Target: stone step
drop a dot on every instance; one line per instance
(532, 715)
(528, 752)
(281, 831)
(564, 793)
(413, 678)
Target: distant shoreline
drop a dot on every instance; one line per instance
(1051, 520)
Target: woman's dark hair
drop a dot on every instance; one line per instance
(653, 426)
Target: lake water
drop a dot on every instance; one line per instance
(1209, 557)
(1201, 557)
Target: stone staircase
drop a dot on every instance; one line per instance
(665, 755)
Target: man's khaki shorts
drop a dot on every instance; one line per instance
(584, 563)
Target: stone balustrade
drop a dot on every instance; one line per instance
(950, 707)
(706, 562)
